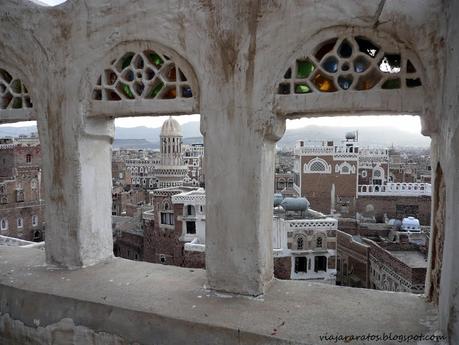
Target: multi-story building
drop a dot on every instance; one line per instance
(304, 241)
(344, 179)
(21, 205)
(375, 256)
(193, 157)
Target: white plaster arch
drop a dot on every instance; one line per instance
(140, 106)
(345, 168)
(371, 102)
(11, 112)
(312, 166)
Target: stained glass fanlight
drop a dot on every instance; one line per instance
(13, 93)
(147, 74)
(349, 63)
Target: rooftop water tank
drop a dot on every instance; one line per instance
(277, 199)
(410, 224)
(295, 204)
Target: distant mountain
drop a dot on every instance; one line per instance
(134, 144)
(149, 137)
(16, 131)
(371, 136)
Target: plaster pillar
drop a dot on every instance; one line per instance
(239, 199)
(447, 153)
(77, 178)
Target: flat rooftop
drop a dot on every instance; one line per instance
(413, 259)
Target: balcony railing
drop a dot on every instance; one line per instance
(396, 189)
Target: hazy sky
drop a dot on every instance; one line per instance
(407, 123)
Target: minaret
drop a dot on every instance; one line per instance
(171, 143)
(172, 171)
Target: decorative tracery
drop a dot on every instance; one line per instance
(13, 93)
(142, 75)
(349, 63)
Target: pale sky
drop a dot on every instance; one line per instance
(407, 123)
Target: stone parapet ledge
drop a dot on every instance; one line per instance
(126, 302)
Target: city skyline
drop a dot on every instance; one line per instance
(406, 123)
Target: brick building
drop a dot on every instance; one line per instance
(21, 205)
(174, 224)
(368, 259)
(341, 178)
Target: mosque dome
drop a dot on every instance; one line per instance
(171, 128)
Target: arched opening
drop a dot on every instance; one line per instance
(21, 189)
(331, 80)
(157, 161)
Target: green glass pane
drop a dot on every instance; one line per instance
(304, 68)
(156, 59)
(126, 60)
(17, 103)
(156, 90)
(127, 91)
(16, 86)
(302, 88)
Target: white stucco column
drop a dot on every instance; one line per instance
(239, 199)
(77, 178)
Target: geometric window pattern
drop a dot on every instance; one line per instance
(377, 173)
(144, 75)
(317, 165)
(350, 63)
(13, 93)
(345, 168)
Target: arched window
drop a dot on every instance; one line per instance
(147, 74)
(319, 242)
(349, 63)
(299, 243)
(19, 223)
(190, 211)
(317, 166)
(345, 170)
(34, 220)
(14, 93)
(4, 224)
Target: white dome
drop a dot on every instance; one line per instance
(171, 128)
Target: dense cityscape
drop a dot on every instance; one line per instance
(343, 213)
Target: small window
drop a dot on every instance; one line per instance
(34, 220)
(364, 173)
(29, 158)
(20, 196)
(33, 184)
(4, 224)
(190, 210)
(191, 227)
(19, 223)
(299, 243)
(319, 242)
